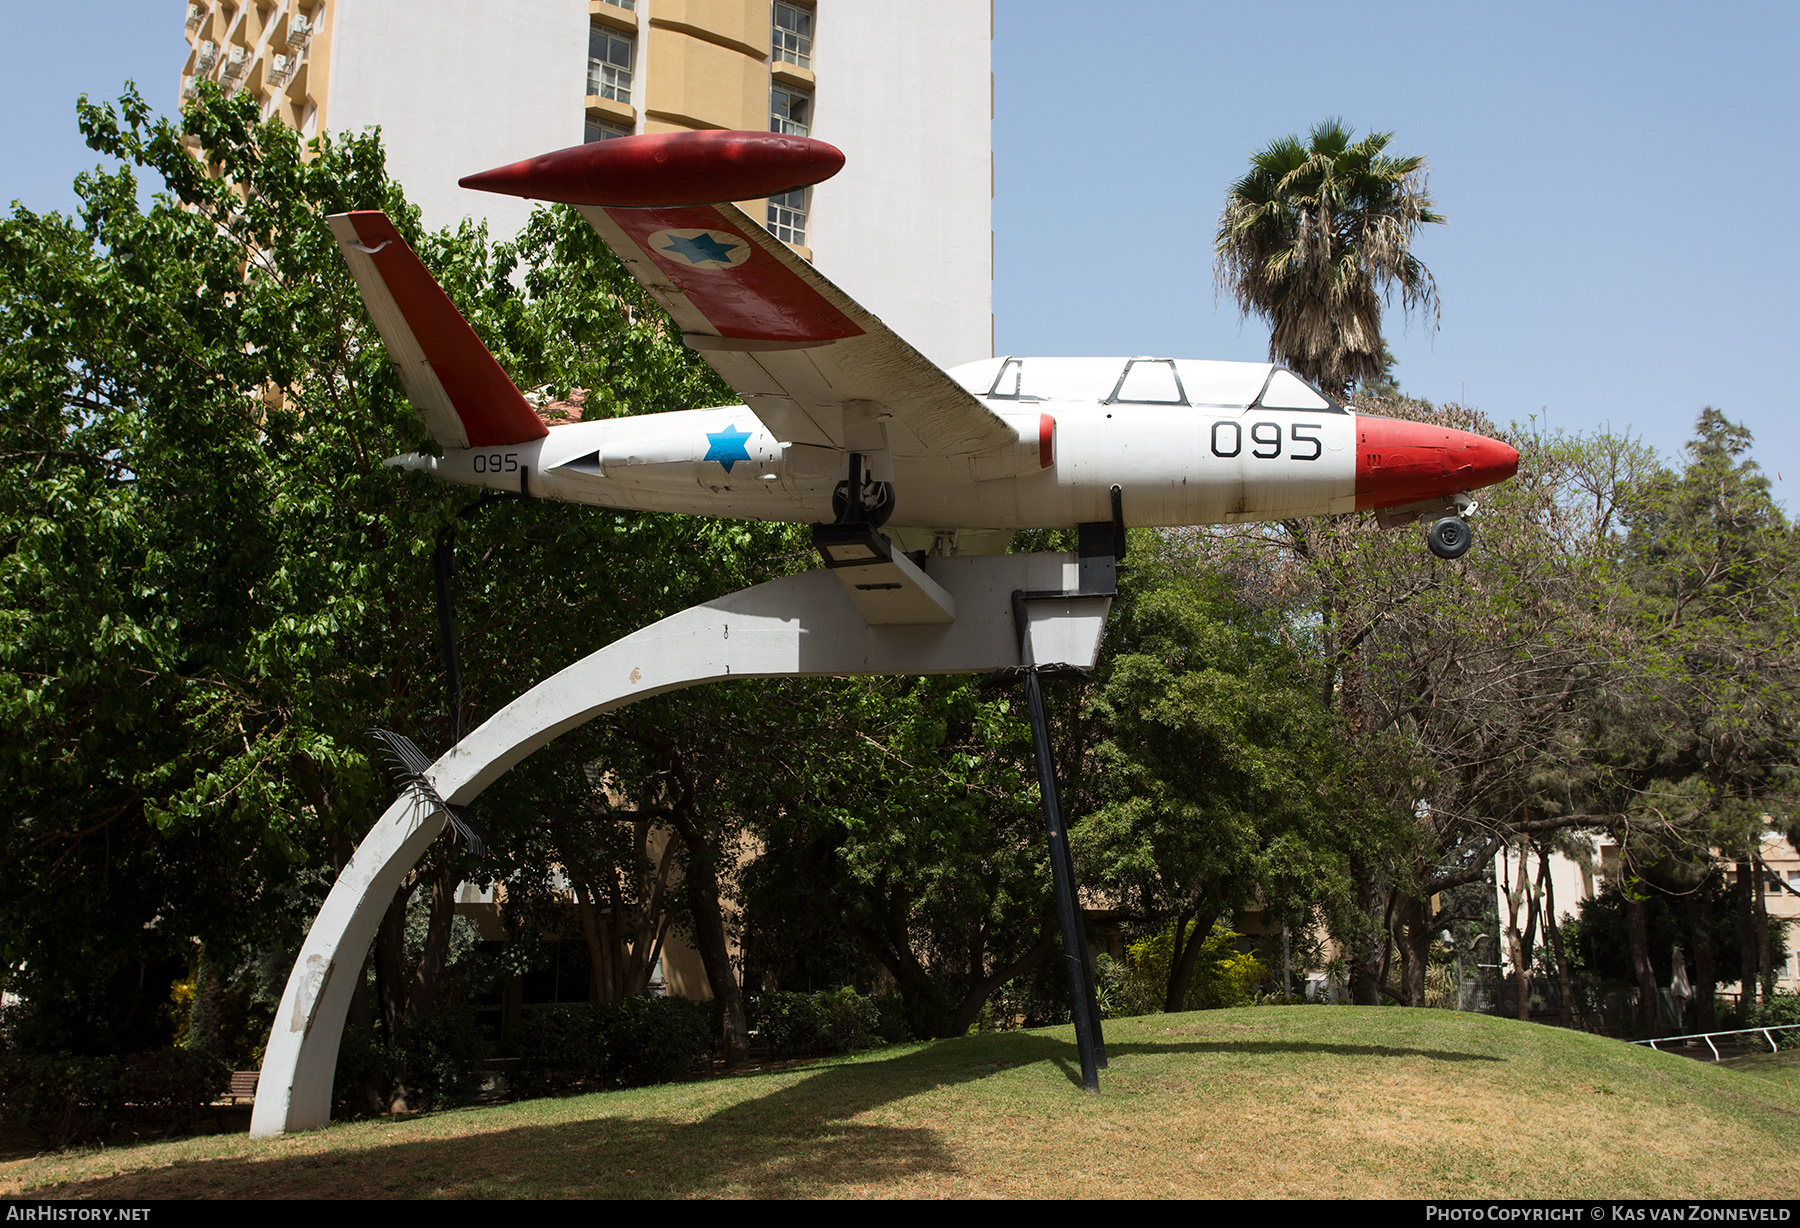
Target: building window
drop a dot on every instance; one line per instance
(600, 130)
(791, 42)
(787, 216)
(610, 55)
(790, 112)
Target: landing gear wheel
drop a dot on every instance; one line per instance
(1449, 538)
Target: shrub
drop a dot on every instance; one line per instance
(559, 1048)
(66, 1099)
(834, 1021)
(786, 1024)
(365, 1072)
(1783, 1008)
(436, 1058)
(849, 1020)
(654, 1040)
(634, 1041)
(63, 1099)
(439, 1057)
(890, 1015)
(1223, 975)
(167, 1090)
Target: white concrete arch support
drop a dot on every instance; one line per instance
(799, 626)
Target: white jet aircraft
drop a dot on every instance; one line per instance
(837, 405)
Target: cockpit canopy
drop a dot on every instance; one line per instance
(1143, 381)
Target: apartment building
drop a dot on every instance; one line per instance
(458, 86)
(1573, 880)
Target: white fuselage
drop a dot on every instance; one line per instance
(1181, 454)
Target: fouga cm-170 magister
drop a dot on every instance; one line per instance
(846, 427)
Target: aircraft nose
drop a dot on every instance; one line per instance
(1406, 462)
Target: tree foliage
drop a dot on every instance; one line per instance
(1225, 786)
(213, 586)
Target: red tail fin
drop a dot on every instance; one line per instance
(466, 400)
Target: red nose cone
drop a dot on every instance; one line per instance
(667, 169)
(1405, 462)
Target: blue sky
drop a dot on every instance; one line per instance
(1610, 174)
(1618, 182)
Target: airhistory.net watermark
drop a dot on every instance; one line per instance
(62, 1213)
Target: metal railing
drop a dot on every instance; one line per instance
(1767, 1034)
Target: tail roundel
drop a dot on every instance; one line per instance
(465, 398)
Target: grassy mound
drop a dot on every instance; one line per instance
(1284, 1102)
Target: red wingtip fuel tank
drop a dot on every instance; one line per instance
(667, 169)
(1406, 462)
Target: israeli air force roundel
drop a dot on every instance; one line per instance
(700, 249)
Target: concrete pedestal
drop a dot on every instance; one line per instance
(795, 627)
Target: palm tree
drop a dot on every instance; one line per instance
(1315, 237)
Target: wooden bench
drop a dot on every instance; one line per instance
(243, 1084)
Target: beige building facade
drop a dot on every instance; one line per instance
(458, 86)
(1577, 879)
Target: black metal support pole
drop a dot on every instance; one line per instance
(1087, 959)
(1074, 939)
(443, 564)
(1100, 545)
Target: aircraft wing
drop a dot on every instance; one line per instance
(801, 352)
(793, 345)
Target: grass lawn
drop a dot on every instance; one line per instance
(1309, 1102)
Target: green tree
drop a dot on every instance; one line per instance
(213, 586)
(1225, 783)
(1465, 689)
(902, 811)
(1313, 240)
(1710, 753)
(194, 565)
(1478, 680)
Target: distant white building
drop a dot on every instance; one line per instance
(1573, 880)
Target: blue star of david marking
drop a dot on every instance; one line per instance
(701, 248)
(727, 446)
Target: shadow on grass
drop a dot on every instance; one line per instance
(1322, 1048)
(797, 1139)
(1071, 1066)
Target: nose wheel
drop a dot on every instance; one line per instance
(1450, 537)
